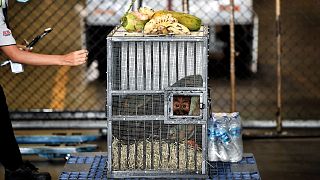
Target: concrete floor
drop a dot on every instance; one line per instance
(294, 158)
(277, 158)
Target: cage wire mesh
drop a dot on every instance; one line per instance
(65, 89)
(153, 145)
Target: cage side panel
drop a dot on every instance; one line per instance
(158, 65)
(133, 69)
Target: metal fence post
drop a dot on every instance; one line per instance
(232, 59)
(279, 73)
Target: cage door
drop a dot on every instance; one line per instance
(184, 107)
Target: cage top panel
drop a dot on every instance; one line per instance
(120, 32)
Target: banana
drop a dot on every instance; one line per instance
(179, 29)
(159, 24)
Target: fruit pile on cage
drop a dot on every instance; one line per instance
(162, 22)
(157, 100)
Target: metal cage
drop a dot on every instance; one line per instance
(157, 104)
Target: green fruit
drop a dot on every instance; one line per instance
(192, 22)
(132, 23)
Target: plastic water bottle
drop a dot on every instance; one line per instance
(212, 141)
(223, 144)
(224, 140)
(235, 132)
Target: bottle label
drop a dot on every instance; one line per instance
(223, 136)
(235, 131)
(212, 134)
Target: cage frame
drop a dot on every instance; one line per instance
(203, 91)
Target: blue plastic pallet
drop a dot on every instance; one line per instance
(97, 168)
(245, 169)
(55, 139)
(94, 168)
(55, 146)
(60, 151)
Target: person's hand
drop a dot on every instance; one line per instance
(75, 58)
(24, 47)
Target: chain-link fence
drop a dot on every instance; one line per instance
(84, 24)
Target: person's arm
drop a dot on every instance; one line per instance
(24, 57)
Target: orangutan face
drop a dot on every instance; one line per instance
(181, 105)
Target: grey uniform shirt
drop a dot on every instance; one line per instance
(6, 37)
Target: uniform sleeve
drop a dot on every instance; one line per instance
(6, 37)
